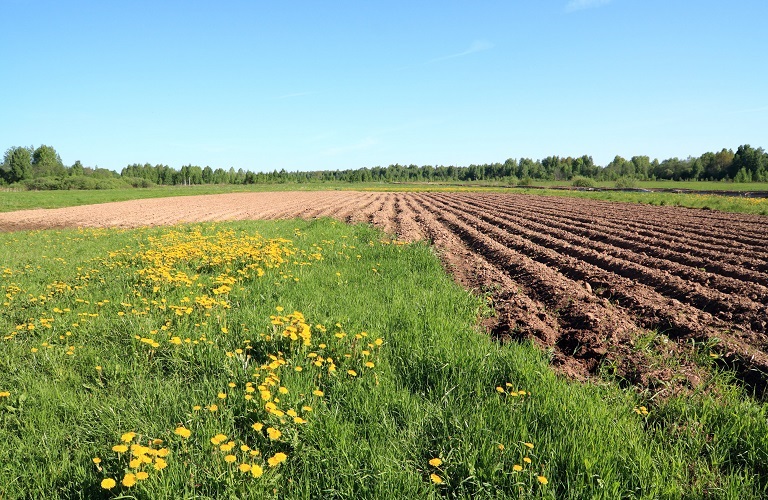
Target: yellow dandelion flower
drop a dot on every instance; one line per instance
(501, 447)
(318, 393)
(256, 471)
(283, 390)
(273, 433)
(127, 437)
(108, 483)
(160, 464)
(227, 447)
(141, 475)
(244, 467)
(369, 364)
(517, 467)
(183, 432)
(529, 445)
(306, 408)
(257, 426)
(197, 408)
(352, 373)
(230, 459)
(163, 452)
(298, 368)
(527, 460)
(218, 439)
(542, 479)
(213, 408)
(129, 480)
(222, 395)
(500, 389)
(120, 448)
(277, 459)
(436, 479)
(435, 462)
(96, 460)
(135, 463)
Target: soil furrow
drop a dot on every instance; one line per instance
(582, 262)
(651, 310)
(737, 265)
(646, 256)
(640, 217)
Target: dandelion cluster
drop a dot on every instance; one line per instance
(641, 410)
(134, 461)
(178, 285)
(522, 454)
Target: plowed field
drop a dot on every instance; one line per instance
(637, 286)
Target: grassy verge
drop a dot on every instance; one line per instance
(666, 184)
(314, 360)
(758, 206)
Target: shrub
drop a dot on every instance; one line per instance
(584, 182)
(525, 181)
(626, 183)
(74, 182)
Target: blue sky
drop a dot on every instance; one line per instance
(314, 85)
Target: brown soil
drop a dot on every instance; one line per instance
(625, 288)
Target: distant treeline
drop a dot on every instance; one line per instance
(42, 168)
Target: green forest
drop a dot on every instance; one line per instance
(41, 168)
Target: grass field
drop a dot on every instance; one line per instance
(663, 184)
(22, 200)
(313, 359)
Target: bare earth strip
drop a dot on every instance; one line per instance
(584, 279)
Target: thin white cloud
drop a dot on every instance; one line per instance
(358, 146)
(575, 5)
(477, 46)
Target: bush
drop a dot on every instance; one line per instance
(626, 183)
(584, 182)
(74, 182)
(138, 182)
(525, 181)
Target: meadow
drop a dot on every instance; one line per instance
(315, 359)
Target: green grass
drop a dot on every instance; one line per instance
(758, 206)
(665, 184)
(431, 394)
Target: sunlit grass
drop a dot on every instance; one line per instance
(313, 360)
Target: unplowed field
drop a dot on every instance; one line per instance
(637, 286)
